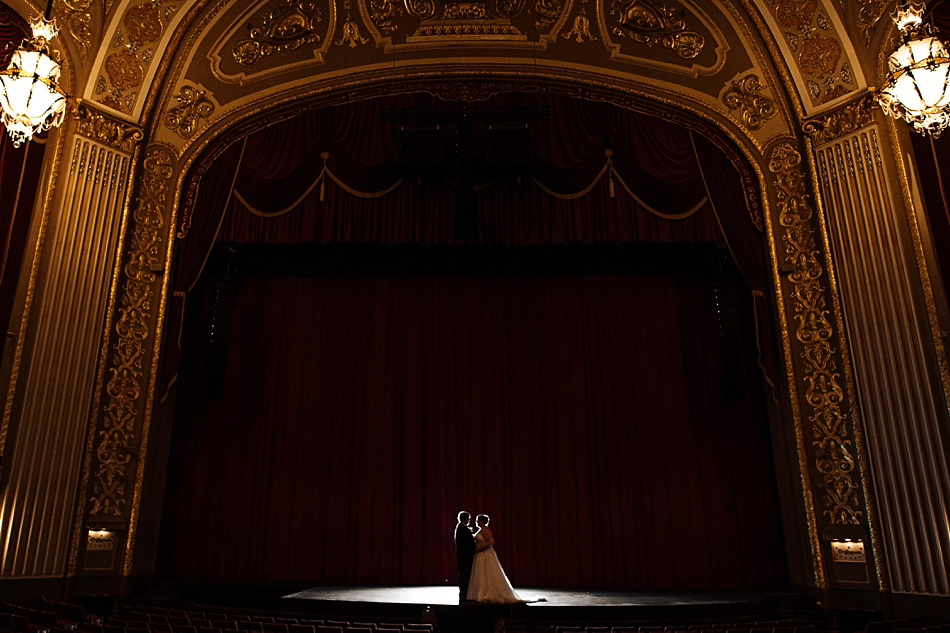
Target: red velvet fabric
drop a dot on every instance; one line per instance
(582, 411)
(581, 406)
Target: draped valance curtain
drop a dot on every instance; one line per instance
(362, 405)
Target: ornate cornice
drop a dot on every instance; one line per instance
(844, 120)
(104, 129)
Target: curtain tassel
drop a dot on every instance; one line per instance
(610, 172)
(323, 175)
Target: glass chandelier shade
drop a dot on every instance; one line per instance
(31, 98)
(917, 86)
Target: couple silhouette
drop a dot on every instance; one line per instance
(481, 577)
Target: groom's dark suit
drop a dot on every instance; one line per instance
(464, 553)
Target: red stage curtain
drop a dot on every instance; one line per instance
(583, 412)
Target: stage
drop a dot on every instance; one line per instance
(547, 605)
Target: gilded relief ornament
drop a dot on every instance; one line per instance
(116, 444)
(465, 20)
(755, 109)
(193, 106)
(869, 14)
(795, 14)
(844, 120)
(286, 28)
(143, 24)
(117, 135)
(580, 29)
(830, 444)
(383, 13)
(78, 18)
(420, 9)
(819, 56)
(548, 12)
(351, 35)
(509, 9)
(653, 22)
(124, 70)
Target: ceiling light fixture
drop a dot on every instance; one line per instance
(31, 98)
(917, 86)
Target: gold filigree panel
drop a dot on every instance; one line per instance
(815, 48)
(134, 48)
(744, 95)
(831, 440)
(116, 439)
(287, 35)
(670, 34)
(77, 15)
(106, 130)
(842, 121)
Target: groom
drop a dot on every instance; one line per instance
(464, 552)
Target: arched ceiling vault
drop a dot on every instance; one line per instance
(183, 69)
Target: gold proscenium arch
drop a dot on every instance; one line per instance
(164, 80)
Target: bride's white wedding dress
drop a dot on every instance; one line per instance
(488, 582)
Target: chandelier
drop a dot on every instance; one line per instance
(31, 98)
(917, 86)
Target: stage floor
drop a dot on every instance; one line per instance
(446, 596)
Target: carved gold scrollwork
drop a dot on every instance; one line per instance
(869, 13)
(509, 8)
(548, 12)
(420, 9)
(654, 22)
(193, 105)
(78, 20)
(833, 457)
(108, 131)
(842, 121)
(116, 434)
(580, 29)
(287, 27)
(743, 95)
(383, 14)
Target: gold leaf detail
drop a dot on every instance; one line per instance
(108, 131)
(286, 28)
(831, 444)
(192, 107)
(653, 22)
(114, 450)
(743, 94)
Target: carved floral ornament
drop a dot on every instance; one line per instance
(290, 32)
(815, 48)
(831, 444)
(754, 109)
(131, 52)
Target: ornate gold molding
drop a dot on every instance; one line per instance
(869, 13)
(831, 446)
(287, 27)
(78, 19)
(653, 22)
(115, 437)
(193, 106)
(743, 94)
(104, 129)
(844, 120)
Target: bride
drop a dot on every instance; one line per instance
(488, 582)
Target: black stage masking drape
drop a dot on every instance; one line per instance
(561, 370)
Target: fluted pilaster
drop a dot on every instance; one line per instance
(896, 376)
(67, 315)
